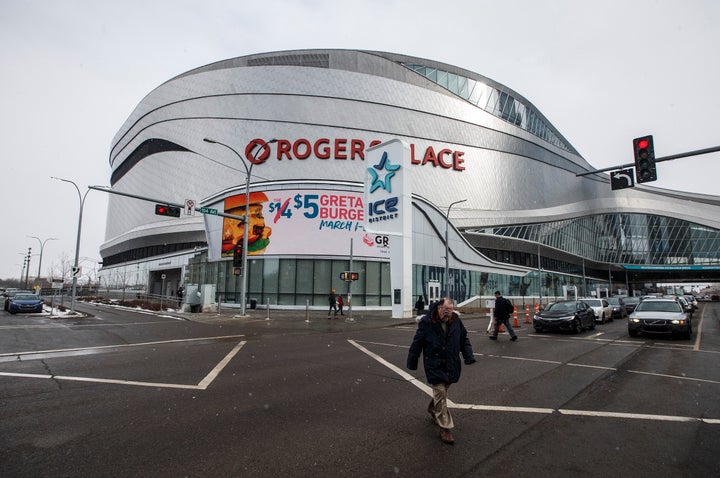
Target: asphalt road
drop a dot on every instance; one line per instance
(124, 393)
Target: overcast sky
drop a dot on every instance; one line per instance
(602, 72)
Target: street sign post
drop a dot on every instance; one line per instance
(622, 179)
(190, 207)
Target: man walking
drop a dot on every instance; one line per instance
(503, 309)
(441, 338)
(332, 302)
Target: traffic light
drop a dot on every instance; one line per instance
(162, 210)
(644, 159)
(348, 276)
(237, 256)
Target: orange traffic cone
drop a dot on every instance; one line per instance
(527, 314)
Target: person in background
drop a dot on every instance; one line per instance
(180, 295)
(332, 301)
(441, 337)
(341, 304)
(503, 309)
(420, 305)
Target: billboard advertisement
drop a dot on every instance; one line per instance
(295, 222)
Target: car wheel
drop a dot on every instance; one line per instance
(12, 312)
(578, 326)
(538, 330)
(592, 324)
(633, 333)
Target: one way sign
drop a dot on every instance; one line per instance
(622, 179)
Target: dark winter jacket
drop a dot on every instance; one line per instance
(503, 308)
(441, 351)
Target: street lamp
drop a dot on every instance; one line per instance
(248, 172)
(447, 248)
(539, 274)
(77, 241)
(42, 246)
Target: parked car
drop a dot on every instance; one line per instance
(661, 316)
(692, 300)
(618, 307)
(631, 303)
(601, 308)
(687, 306)
(25, 303)
(570, 315)
(10, 293)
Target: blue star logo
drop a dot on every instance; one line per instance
(382, 183)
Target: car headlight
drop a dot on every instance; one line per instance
(634, 320)
(678, 322)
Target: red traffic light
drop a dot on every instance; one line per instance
(644, 152)
(162, 210)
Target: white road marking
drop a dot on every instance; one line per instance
(497, 408)
(676, 377)
(100, 347)
(421, 385)
(75, 326)
(202, 385)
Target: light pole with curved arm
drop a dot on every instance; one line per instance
(77, 241)
(447, 247)
(42, 246)
(248, 172)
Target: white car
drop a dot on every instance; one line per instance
(602, 308)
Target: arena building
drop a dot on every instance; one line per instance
(494, 184)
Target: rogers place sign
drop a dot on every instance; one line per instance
(344, 149)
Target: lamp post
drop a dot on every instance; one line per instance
(42, 246)
(447, 247)
(248, 173)
(81, 197)
(539, 275)
(27, 269)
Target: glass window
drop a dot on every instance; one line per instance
(453, 83)
(255, 276)
(287, 275)
(305, 271)
(442, 78)
(271, 275)
(322, 278)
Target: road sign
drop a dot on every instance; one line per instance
(76, 271)
(622, 179)
(190, 207)
(208, 210)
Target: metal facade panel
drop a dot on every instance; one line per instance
(509, 177)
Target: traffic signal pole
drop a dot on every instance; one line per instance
(106, 189)
(697, 152)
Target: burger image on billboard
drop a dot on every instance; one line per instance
(233, 230)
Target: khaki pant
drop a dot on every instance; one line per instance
(438, 406)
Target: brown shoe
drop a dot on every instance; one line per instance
(446, 436)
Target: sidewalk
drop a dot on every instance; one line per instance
(313, 319)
